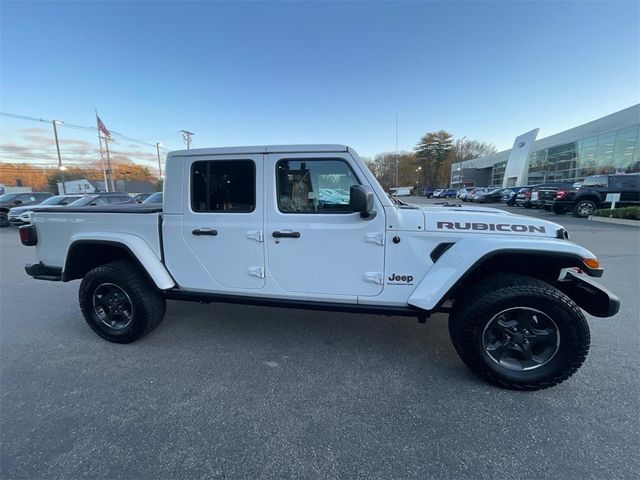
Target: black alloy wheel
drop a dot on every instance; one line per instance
(521, 338)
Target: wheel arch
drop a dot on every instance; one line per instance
(85, 254)
(467, 263)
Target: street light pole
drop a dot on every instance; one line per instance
(397, 159)
(55, 134)
(159, 165)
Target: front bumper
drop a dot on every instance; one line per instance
(589, 294)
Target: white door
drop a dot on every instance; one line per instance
(315, 244)
(223, 221)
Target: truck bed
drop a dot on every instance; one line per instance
(60, 227)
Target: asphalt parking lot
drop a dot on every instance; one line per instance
(229, 391)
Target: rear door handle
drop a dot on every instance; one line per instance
(286, 234)
(205, 231)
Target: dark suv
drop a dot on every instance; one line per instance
(582, 201)
(10, 200)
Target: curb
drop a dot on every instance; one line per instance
(617, 221)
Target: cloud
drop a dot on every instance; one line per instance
(33, 130)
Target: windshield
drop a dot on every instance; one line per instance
(7, 197)
(82, 202)
(54, 200)
(154, 198)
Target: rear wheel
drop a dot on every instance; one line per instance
(584, 208)
(119, 303)
(520, 333)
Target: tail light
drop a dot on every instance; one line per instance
(560, 194)
(28, 235)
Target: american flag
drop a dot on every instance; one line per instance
(102, 127)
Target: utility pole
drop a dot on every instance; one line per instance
(109, 172)
(159, 164)
(55, 134)
(186, 137)
(397, 158)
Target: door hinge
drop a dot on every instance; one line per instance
(255, 235)
(256, 272)
(373, 277)
(377, 238)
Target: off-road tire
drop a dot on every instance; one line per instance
(148, 303)
(584, 208)
(469, 319)
(4, 220)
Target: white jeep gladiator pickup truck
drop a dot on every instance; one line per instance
(310, 227)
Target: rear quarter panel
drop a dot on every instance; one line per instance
(55, 231)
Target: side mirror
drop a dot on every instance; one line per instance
(17, 202)
(361, 200)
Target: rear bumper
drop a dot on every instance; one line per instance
(40, 271)
(589, 294)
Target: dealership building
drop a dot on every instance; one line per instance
(609, 144)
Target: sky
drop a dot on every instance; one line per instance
(246, 73)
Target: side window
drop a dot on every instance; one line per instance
(223, 186)
(623, 182)
(26, 198)
(314, 186)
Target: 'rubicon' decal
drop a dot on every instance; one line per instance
(490, 227)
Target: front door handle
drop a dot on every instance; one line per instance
(205, 231)
(286, 234)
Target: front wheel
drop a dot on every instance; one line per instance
(520, 333)
(584, 208)
(119, 303)
(4, 220)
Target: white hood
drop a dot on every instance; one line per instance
(484, 220)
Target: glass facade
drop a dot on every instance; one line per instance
(497, 174)
(610, 152)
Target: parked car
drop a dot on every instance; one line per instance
(10, 200)
(472, 192)
(516, 314)
(21, 215)
(446, 193)
(428, 191)
(154, 198)
(437, 192)
(509, 195)
(141, 197)
(487, 196)
(463, 192)
(523, 197)
(592, 194)
(400, 191)
(103, 199)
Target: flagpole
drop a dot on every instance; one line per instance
(104, 170)
(106, 144)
